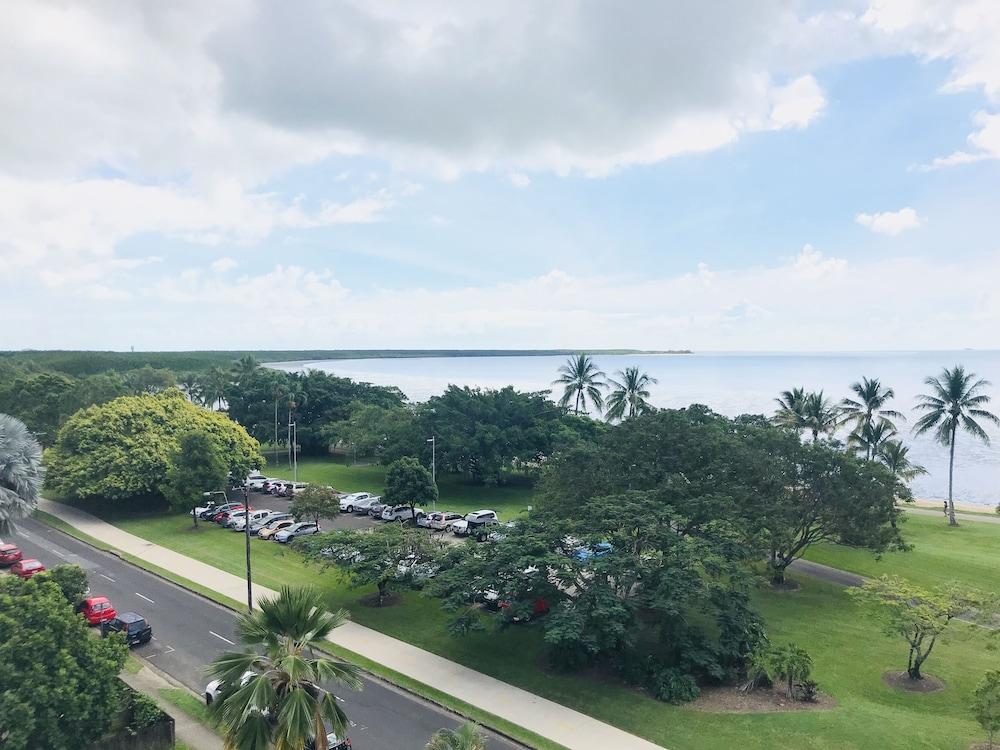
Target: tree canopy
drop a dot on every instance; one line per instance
(124, 448)
(20, 472)
(196, 467)
(408, 482)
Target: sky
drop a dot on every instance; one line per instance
(712, 175)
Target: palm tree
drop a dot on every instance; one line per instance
(466, 737)
(244, 369)
(872, 437)
(628, 399)
(274, 698)
(791, 409)
(895, 456)
(820, 414)
(581, 379)
(213, 387)
(791, 664)
(867, 410)
(191, 385)
(956, 400)
(20, 472)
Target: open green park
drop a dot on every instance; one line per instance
(849, 651)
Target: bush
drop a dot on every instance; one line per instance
(145, 712)
(672, 685)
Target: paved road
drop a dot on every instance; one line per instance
(189, 631)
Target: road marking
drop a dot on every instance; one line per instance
(172, 649)
(211, 632)
(57, 552)
(107, 577)
(144, 597)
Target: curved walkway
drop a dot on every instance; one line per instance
(545, 718)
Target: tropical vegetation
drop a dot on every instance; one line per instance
(20, 472)
(582, 381)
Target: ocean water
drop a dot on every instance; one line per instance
(732, 384)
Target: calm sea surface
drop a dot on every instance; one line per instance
(732, 384)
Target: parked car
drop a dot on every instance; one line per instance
(375, 511)
(349, 502)
(475, 524)
(273, 527)
(303, 528)
(295, 488)
(96, 609)
(199, 509)
(361, 507)
(333, 740)
(26, 568)
(214, 689)
(257, 526)
(210, 512)
(276, 487)
(256, 481)
(269, 483)
(239, 521)
(590, 551)
(500, 531)
(135, 627)
(399, 513)
(442, 519)
(222, 518)
(9, 554)
(418, 572)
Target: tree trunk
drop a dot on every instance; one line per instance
(789, 684)
(777, 571)
(951, 474)
(194, 516)
(381, 592)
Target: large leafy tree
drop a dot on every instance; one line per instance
(956, 401)
(921, 616)
(20, 472)
(867, 413)
(58, 686)
(123, 449)
(149, 380)
(315, 502)
(284, 704)
(385, 433)
(196, 467)
(38, 400)
(582, 381)
(629, 394)
(408, 482)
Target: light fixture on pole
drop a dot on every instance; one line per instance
(433, 443)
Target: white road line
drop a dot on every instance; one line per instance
(57, 552)
(211, 632)
(172, 649)
(144, 597)
(107, 577)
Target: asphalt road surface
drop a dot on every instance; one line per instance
(189, 631)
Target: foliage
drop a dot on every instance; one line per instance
(789, 663)
(956, 400)
(57, 684)
(37, 400)
(791, 411)
(386, 433)
(868, 415)
(371, 558)
(466, 737)
(71, 580)
(145, 711)
(628, 395)
(986, 704)
(806, 412)
(315, 502)
(283, 703)
(582, 380)
(149, 380)
(921, 616)
(20, 472)
(196, 467)
(408, 482)
(124, 448)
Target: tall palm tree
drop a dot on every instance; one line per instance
(213, 383)
(628, 399)
(20, 472)
(791, 409)
(466, 737)
(872, 437)
(820, 414)
(581, 379)
(956, 400)
(868, 409)
(896, 457)
(244, 369)
(191, 385)
(281, 703)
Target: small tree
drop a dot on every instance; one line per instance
(71, 580)
(986, 705)
(408, 482)
(789, 663)
(920, 616)
(315, 502)
(370, 558)
(196, 468)
(466, 737)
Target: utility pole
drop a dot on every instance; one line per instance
(433, 442)
(246, 528)
(295, 451)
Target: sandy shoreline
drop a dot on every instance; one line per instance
(939, 505)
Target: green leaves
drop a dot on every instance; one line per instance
(408, 482)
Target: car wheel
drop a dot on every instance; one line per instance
(350, 508)
(208, 699)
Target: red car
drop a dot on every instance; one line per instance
(223, 516)
(9, 554)
(96, 609)
(27, 568)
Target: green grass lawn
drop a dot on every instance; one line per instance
(969, 553)
(456, 493)
(849, 652)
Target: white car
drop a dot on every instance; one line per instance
(303, 528)
(419, 572)
(256, 482)
(239, 523)
(442, 519)
(475, 524)
(349, 502)
(214, 689)
(399, 513)
(361, 507)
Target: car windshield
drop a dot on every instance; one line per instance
(135, 627)
(31, 565)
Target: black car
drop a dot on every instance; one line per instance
(137, 631)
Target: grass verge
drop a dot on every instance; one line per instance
(187, 703)
(133, 665)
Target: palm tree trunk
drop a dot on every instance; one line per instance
(576, 406)
(951, 474)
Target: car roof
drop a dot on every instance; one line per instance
(130, 617)
(29, 561)
(97, 599)
(5, 547)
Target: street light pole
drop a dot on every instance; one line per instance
(246, 528)
(433, 442)
(295, 451)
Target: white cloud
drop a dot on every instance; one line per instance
(984, 144)
(224, 264)
(519, 179)
(890, 222)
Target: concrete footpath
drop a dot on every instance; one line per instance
(545, 718)
(191, 732)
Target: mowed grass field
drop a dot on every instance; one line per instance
(849, 652)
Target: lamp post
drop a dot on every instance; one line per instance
(246, 529)
(432, 440)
